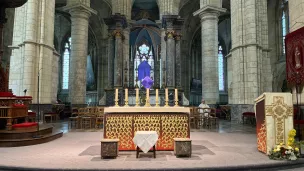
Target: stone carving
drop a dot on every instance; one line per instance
(279, 111)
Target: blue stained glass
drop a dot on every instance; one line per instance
(221, 69)
(284, 32)
(144, 53)
(65, 66)
(144, 49)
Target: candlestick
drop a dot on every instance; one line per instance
(147, 98)
(116, 97)
(176, 98)
(137, 97)
(156, 99)
(166, 98)
(126, 98)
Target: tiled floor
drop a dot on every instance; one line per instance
(228, 145)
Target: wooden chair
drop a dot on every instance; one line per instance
(213, 119)
(86, 119)
(74, 119)
(99, 117)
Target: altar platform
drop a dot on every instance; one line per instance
(230, 147)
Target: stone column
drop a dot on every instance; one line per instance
(178, 61)
(80, 12)
(172, 25)
(126, 57)
(170, 62)
(118, 60)
(209, 22)
(30, 64)
(110, 61)
(163, 57)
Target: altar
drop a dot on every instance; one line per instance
(169, 122)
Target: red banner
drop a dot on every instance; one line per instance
(294, 48)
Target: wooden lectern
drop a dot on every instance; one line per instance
(274, 119)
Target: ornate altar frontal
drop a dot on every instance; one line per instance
(169, 122)
(274, 116)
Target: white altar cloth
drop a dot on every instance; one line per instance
(145, 140)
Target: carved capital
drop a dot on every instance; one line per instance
(170, 35)
(178, 36)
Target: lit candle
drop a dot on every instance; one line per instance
(126, 94)
(116, 94)
(166, 94)
(137, 94)
(176, 95)
(156, 97)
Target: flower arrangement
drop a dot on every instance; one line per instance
(287, 152)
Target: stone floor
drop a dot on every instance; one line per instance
(229, 145)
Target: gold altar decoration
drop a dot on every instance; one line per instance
(156, 98)
(147, 98)
(274, 116)
(120, 123)
(126, 98)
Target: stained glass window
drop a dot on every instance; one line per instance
(66, 65)
(143, 53)
(221, 69)
(284, 22)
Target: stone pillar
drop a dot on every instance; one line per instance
(296, 21)
(209, 22)
(126, 57)
(172, 25)
(170, 62)
(163, 57)
(251, 72)
(33, 50)
(30, 63)
(110, 61)
(178, 62)
(118, 60)
(80, 12)
(116, 50)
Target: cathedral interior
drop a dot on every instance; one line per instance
(112, 38)
(100, 72)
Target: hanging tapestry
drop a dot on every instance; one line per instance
(294, 48)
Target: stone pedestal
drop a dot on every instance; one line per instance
(182, 147)
(109, 148)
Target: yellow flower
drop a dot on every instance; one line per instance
(297, 149)
(289, 147)
(281, 144)
(275, 150)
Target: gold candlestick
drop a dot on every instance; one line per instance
(176, 98)
(166, 98)
(156, 99)
(126, 98)
(116, 97)
(137, 97)
(147, 98)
